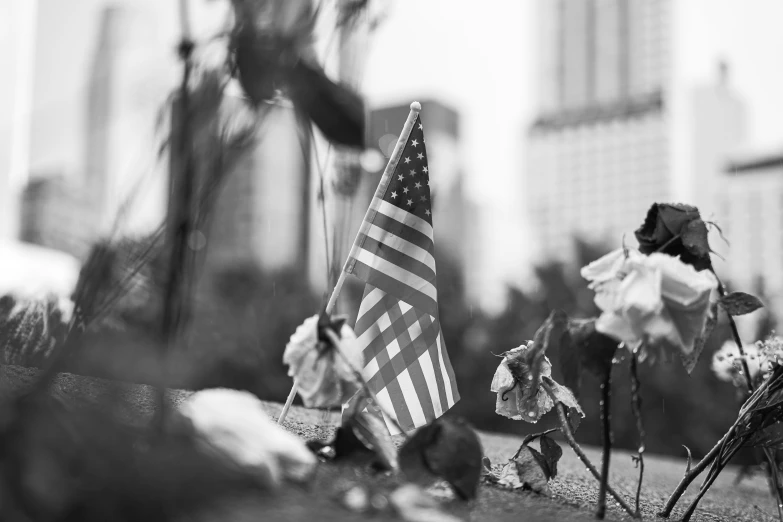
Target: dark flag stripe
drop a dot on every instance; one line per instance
(402, 230)
(396, 288)
(398, 258)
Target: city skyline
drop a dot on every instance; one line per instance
(487, 77)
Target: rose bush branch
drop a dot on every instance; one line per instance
(565, 428)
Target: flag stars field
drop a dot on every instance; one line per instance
(398, 326)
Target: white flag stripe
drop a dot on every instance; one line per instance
(397, 273)
(446, 379)
(432, 385)
(396, 213)
(386, 407)
(411, 398)
(401, 245)
(370, 300)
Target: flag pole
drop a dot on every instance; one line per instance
(393, 160)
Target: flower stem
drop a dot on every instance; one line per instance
(737, 340)
(565, 428)
(606, 434)
(690, 476)
(636, 406)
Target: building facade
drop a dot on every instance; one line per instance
(751, 217)
(598, 152)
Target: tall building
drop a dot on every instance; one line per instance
(598, 152)
(126, 88)
(260, 215)
(718, 123)
(618, 125)
(57, 215)
(751, 217)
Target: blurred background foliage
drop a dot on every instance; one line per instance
(243, 320)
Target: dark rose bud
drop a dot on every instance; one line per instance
(677, 230)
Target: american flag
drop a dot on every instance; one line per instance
(405, 359)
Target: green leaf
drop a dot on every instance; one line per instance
(552, 452)
(740, 303)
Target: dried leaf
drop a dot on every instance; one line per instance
(448, 448)
(740, 303)
(552, 452)
(371, 430)
(530, 466)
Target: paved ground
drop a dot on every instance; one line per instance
(574, 489)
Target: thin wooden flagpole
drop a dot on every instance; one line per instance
(387, 173)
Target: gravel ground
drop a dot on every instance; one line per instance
(574, 489)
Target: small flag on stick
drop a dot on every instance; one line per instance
(398, 328)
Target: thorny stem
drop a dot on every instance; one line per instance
(606, 434)
(709, 457)
(358, 374)
(636, 406)
(565, 428)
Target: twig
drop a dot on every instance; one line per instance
(606, 434)
(636, 406)
(530, 438)
(565, 428)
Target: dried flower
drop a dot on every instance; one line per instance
(324, 379)
(657, 299)
(520, 395)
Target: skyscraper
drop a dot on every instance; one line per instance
(598, 152)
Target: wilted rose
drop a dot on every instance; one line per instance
(324, 378)
(656, 299)
(520, 395)
(677, 230)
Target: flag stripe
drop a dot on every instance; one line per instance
(445, 365)
(403, 216)
(405, 279)
(400, 259)
(415, 251)
(394, 287)
(397, 227)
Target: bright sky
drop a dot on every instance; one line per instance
(477, 56)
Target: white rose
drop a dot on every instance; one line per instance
(655, 298)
